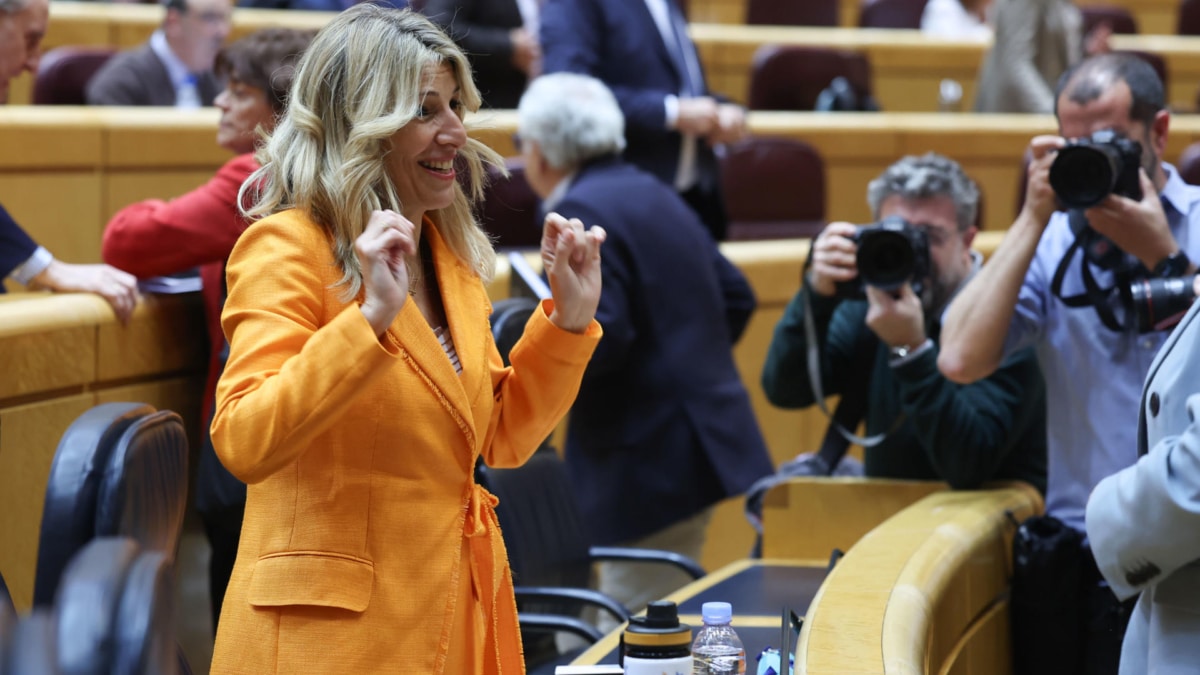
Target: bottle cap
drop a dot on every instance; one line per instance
(716, 612)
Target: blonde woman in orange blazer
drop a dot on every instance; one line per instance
(362, 380)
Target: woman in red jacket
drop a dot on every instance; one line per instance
(198, 230)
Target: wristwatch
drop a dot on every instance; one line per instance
(903, 351)
(1172, 266)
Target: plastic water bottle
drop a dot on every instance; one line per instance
(718, 650)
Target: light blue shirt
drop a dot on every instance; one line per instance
(1094, 375)
(186, 94)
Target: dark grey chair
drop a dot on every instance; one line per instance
(76, 474)
(32, 647)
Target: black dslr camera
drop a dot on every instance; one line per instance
(1087, 170)
(890, 253)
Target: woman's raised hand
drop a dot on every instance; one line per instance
(571, 258)
(381, 250)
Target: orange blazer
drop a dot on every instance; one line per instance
(362, 510)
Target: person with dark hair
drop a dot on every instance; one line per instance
(647, 421)
(363, 382)
(23, 23)
(884, 345)
(1064, 282)
(198, 230)
(175, 67)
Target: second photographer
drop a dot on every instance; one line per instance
(880, 341)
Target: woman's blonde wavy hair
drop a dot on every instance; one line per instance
(358, 83)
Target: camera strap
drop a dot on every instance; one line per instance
(852, 405)
(1093, 296)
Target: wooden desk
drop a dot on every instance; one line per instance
(1153, 16)
(907, 66)
(758, 591)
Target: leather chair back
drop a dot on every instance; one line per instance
(774, 188)
(793, 12)
(509, 316)
(791, 77)
(891, 13)
(33, 646)
(1119, 19)
(143, 490)
(144, 631)
(86, 605)
(69, 511)
(510, 208)
(1189, 18)
(64, 72)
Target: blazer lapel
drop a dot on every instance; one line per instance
(1167, 346)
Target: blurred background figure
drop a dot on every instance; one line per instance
(501, 39)
(642, 51)
(199, 229)
(175, 67)
(654, 441)
(22, 26)
(957, 19)
(1036, 41)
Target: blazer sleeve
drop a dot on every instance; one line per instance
(572, 35)
(535, 392)
(15, 245)
(737, 294)
(1142, 522)
(281, 388)
(154, 237)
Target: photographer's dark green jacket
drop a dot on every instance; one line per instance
(993, 429)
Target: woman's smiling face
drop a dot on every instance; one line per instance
(421, 161)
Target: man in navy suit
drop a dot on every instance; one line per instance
(641, 50)
(22, 25)
(662, 427)
(500, 38)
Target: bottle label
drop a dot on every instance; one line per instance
(680, 665)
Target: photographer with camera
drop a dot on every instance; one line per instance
(878, 341)
(1074, 285)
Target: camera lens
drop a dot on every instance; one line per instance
(1083, 175)
(885, 259)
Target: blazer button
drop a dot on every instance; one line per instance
(1154, 404)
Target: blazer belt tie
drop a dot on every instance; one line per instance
(493, 580)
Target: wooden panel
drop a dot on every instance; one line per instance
(127, 187)
(806, 518)
(28, 436)
(163, 137)
(46, 137)
(61, 211)
(166, 335)
(48, 343)
(924, 571)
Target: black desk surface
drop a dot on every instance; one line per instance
(758, 590)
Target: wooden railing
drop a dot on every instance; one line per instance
(907, 67)
(925, 593)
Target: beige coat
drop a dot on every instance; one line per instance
(1035, 42)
